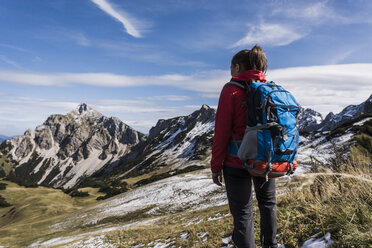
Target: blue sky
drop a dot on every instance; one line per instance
(145, 60)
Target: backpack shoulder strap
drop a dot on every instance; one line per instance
(240, 84)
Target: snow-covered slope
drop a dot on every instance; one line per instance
(68, 148)
(351, 112)
(170, 195)
(178, 143)
(325, 146)
(173, 143)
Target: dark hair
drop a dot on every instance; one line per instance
(254, 59)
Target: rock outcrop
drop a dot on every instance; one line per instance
(67, 148)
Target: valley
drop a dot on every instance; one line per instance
(157, 191)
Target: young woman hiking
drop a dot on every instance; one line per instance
(246, 65)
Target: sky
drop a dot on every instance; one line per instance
(146, 60)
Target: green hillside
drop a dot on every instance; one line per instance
(32, 210)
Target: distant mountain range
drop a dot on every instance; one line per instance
(67, 150)
(3, 137)
(332, 120)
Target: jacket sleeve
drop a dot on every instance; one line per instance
(223, 128)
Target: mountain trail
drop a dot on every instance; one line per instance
(310, 177)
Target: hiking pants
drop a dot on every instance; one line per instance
(239, 193)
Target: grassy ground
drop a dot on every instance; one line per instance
(5, 164)
(335, 199)
(34, 209)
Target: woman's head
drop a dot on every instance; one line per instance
(254, 59)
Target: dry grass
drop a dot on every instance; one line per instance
(337, 200)
(332, 199)
(214, 222)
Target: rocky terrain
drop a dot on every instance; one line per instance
(67, 148)
(332, 121)
(156, 179)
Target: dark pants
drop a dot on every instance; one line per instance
(239, 193)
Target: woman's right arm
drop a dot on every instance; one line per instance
(223, 128)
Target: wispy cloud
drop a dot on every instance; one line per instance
(79, 38)
(269, 35)
(324, 88)
(317, 11)
(120, 16)
(37, 59)
(203, 81)
(20, 49)
(168, 98)
(20, 113)
(210, 95)
(341, 56)
(17, 114)
(10, 62)
(149, 53)
(62, 34)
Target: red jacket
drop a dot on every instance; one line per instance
(231, 118)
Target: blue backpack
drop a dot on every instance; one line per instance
(271, 138)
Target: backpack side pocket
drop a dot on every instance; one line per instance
(249, 146)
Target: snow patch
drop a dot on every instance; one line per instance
(217, 217)
(320, 148)
(184, 236)
(89, 236)
(318, 119)
(323, 242)
(227, 240)
(203, 236)
(177, 193)
(360, 123)
(86, 167)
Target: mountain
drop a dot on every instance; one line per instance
(163, 184)
(85, 148)
(67, 148)
(173, 146)
(351, 112)
(3, 137)
(308, 120)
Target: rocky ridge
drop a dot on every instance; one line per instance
(351, 112)
(174, 143)
(66, 148)
(308, 120)
(84, 143)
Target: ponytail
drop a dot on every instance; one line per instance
(254, 59)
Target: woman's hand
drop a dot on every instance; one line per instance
(217, 178)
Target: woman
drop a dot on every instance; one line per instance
(246, 65)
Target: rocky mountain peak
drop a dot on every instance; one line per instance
(83, 108)
(68, 147)
(204, 114)
(368, 105)
(309, 119)
(84, 111)
(204, 107)
(350, 112)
